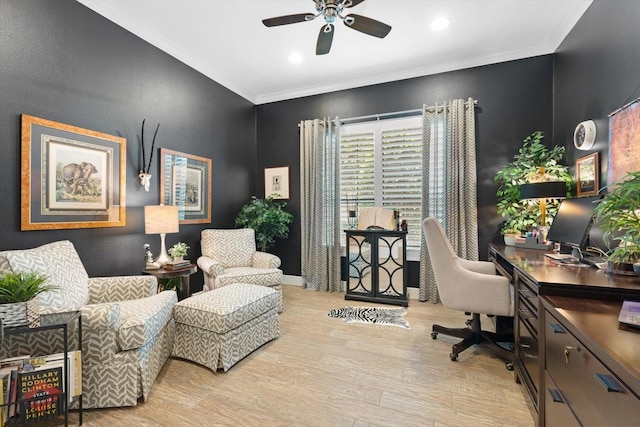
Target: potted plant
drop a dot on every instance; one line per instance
(619, 216)
(533, 163)
(19, 292)
(178, 251)
(267, 218)
(510, 235)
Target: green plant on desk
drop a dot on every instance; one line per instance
(619, 212)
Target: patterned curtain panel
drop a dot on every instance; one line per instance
(449, 184)
(320, 204)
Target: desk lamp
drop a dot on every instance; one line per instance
(543, 191)
(161, 220)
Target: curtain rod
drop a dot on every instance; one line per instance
(373, 117)
(623, 107)
(393, 115)
(437, 107)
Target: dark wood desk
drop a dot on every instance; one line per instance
(541, 287)
(183, 273)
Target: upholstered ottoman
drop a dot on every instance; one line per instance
(220, 327)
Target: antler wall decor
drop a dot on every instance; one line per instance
(144, 175)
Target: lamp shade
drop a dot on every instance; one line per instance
(543, 190)
(161, 219)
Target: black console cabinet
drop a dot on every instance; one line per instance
(377, 266)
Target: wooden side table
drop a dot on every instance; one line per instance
(184, 273)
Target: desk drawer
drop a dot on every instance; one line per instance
(527, 352)
(556, 410)
(593, 392)
(527, 294)
(528, 299)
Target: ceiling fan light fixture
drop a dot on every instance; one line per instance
(331, 11)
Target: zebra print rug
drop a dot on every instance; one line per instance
(376, 315)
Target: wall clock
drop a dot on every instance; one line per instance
(585, 135)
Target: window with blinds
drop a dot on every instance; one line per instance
(381, 165)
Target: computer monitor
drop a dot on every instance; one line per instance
(571, 224)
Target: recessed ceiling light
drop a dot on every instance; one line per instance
(439, 24)
(295, 58)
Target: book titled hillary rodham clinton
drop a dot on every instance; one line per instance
(40, 391)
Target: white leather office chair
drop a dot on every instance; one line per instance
(472, 287)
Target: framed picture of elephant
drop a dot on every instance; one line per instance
(71, 177)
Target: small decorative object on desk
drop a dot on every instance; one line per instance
(19, 304)
(404, 226)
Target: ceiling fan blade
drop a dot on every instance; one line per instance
(324, 39)
(287, 19)
(367, 25)
(353, 3)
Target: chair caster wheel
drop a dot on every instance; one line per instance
(434, 335)
(453, 357)
(509, 366)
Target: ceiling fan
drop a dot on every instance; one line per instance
(332, 10)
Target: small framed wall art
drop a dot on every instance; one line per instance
(276, 182)
(588, 175)
(185, 181)
(71, 177)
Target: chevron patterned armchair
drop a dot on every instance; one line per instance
(230, 256)
(127, 326)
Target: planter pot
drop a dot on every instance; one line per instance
(21, 313)
(510, 239)
(623, 268)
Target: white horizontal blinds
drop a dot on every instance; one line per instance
(402, 177)
(381, 165)
(357, 172)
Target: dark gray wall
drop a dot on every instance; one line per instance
(514, 100)
(63, 62)
(596, 71)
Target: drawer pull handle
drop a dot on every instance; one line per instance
(524, 345)
(557, 329)
(528, 294)
(526, 314)
(555, 395)
(608, 383)
(567, 352)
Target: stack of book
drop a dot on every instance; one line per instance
(177, 265)
(31, 388)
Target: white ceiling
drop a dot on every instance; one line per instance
(226, 40)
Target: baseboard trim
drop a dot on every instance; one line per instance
(288, 279)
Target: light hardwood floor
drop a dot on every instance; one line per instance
(322, 371)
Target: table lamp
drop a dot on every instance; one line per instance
(161, 220)
(543, 191)
(352, 210)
